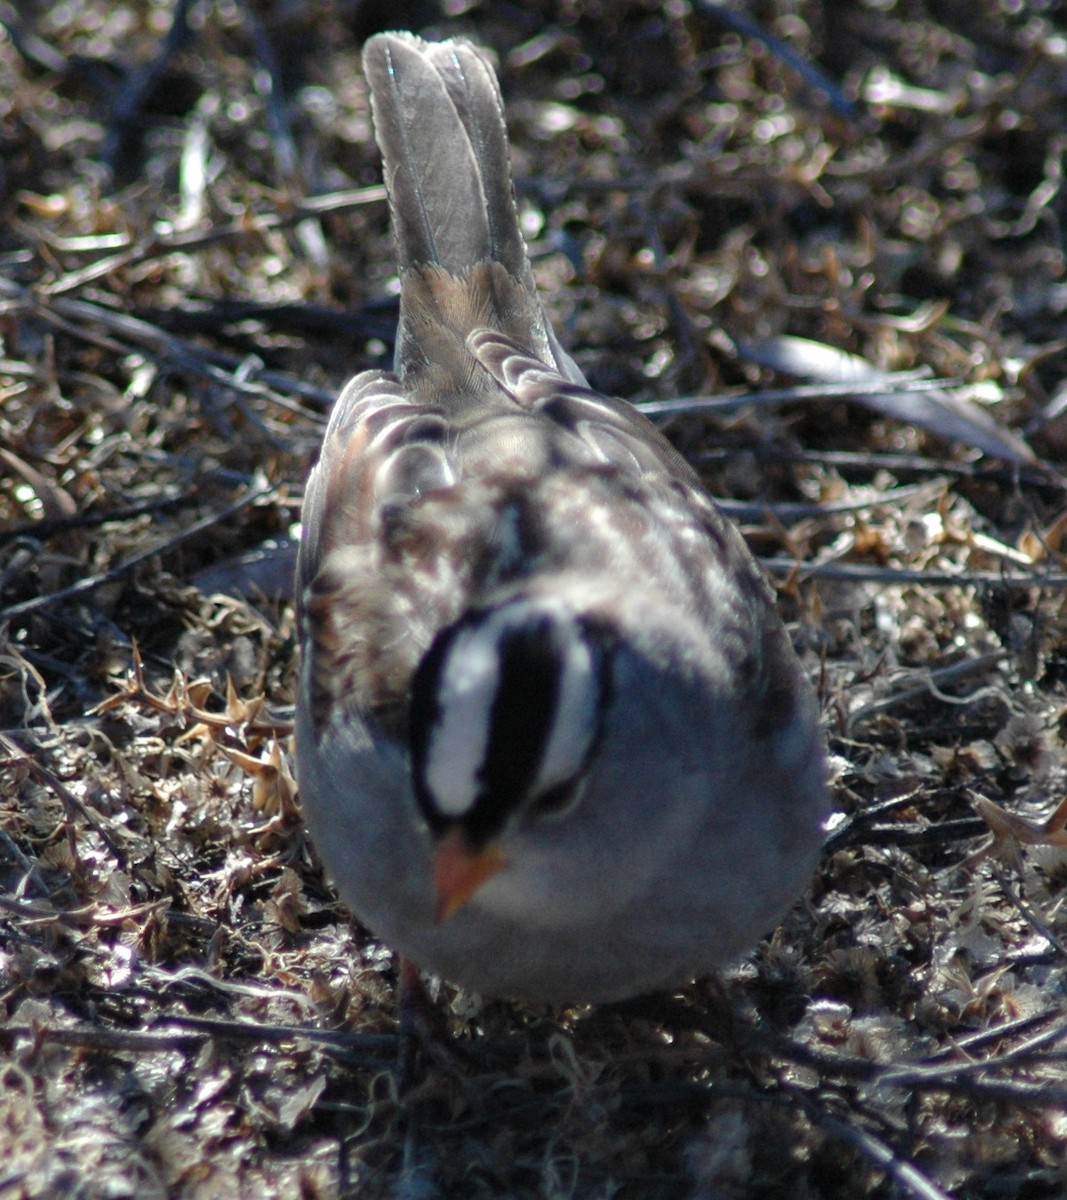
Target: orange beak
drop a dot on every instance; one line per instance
(459, 871)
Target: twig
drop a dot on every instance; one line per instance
(159, 245)
(984, 471)
(39, 531)
(130, 98)
(919, 685)
(736, 19)
(77, 318)
(71, 802)
(84, 586)
(1029, 914)
(898, 381)
(899, 576)
(905, 1174)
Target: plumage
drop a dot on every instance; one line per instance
(526, 629)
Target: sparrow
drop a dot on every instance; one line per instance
(552, 739)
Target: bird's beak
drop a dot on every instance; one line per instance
(459, 870)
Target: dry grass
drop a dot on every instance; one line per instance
(190, 267)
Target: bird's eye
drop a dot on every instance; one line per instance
(558, 799)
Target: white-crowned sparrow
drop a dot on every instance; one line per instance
(552, 739)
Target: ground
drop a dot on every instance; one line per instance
(194, 255)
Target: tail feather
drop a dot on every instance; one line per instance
(439, 121)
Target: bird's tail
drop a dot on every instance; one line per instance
(439, 121)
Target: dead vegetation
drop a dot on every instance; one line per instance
(194, 256)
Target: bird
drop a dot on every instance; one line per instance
(552, 740)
